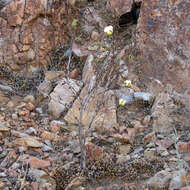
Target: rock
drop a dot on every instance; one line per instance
(38, 163)
(146, 120)
(185, 188)
(138, 126)
(30, 106)
(3, 127)
(29, 98)
(19, 134)
(88, 74)
(120, 7)
(165, 143)
(124, 138)
(1, 184)
(164, 153)
(36, 174)
(23, 112)
(9, 159)
(46, 148)
(99, 188)
(93, 152)
(14, 116)
(49, 136)
(123, 158)
(52, 75)
(55, 125)
(92, 18)
(74, 74)
(3, 98)
(79, 50)
(28, 141)
(95, 35)
(63, 95)
(47, 185)
(160, 180)
(179, 179)
(28, 40)
(124, 149)
(161, 113)
(45, 88)
(103, 102)
(183, 147)
(149, 153)
(72, 2)
(34, 185)
(76, 182)
(31, 131)
(93, 48)
(150, 137)
(164, 42)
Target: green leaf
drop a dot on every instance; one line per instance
(74, 23)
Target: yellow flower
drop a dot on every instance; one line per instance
(108, 30)
(128, 83)
(122, 102)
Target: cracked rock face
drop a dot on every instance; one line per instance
(163, 36)
(29, 32)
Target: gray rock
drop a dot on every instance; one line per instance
(160, 180)
(168, 112)
(45, 88)
(36, 174)
(63, 96)
(179, 179)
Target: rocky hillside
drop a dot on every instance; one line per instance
(94, 95)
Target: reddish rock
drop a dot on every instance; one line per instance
(99, 188)
(38, 163)
(131, 133)
(28, 40)
(163, 37)
(93, 151)
(28, 141)
(165, 143)
(49, 136)
(23, 112)
(34, 185)
(125, 138)
(138, 126)
(1, 184)
(185, 188)
(30, 106)
(149, 138)
(120, 7)
(95, 35)
(183, 147)
(74, 74)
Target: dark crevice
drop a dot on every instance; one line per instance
(130, 17)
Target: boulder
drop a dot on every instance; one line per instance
(170, 110)
(163, 38)
(29, 32)
(63, 96)
(98, 108)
